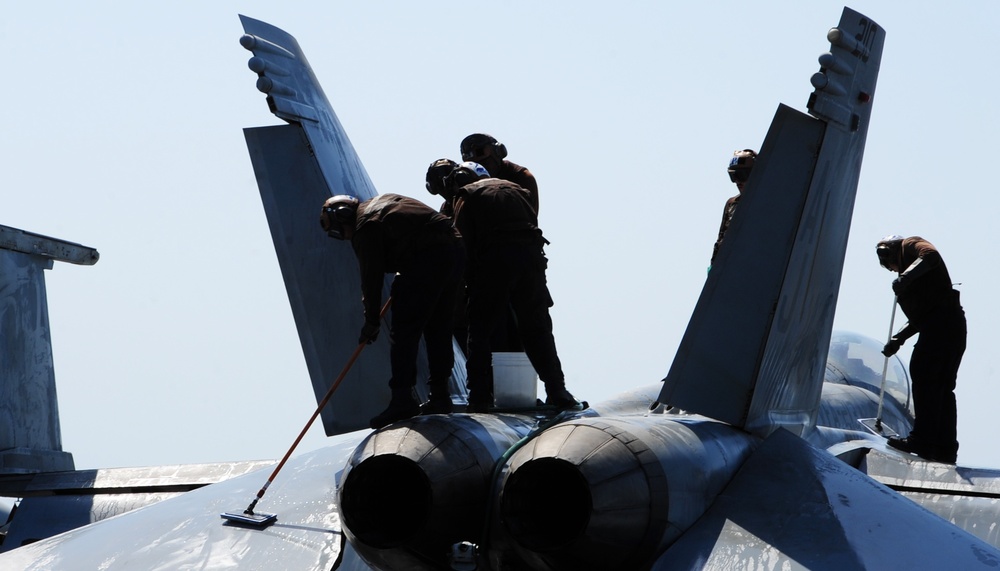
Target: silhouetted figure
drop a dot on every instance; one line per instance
(925, 294)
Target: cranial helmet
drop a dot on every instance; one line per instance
(741, 164)
(479, 170)
(338, 212)
(475, 147)
(463, 174)
(437, 172)
(889, 251)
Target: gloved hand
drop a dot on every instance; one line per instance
(369, 333)
(898, 286)
(892, 347)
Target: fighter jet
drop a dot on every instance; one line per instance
(763, 456)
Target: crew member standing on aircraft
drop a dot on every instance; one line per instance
(396, 234)
(924, 293)
(434, 181)
(505, 337)
(739, 172)
(492, 155)
(506, 268)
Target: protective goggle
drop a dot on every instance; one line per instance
(887, 256)
(739, 174)
(436, 189)
(333, 219)
(474, 152)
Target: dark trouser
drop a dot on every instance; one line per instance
(423, 300)
(505, 277)
(933, 370)
(505, 338)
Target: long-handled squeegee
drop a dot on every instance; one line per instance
(875, 424)
(247, 516)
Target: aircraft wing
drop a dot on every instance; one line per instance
(967, 497)
(612, 487)
(792, 506)
(187, 532)
(58, 501)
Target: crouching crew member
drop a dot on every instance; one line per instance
(924, 293)
(399, 235)
(505, 268)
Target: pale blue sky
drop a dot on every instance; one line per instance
(123, 132)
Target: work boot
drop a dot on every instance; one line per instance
(439, 401)
(939, 454)
(560, 398)
(479, 401)
(945, 454)
(904, 444)
(398, 409)
(437, 405)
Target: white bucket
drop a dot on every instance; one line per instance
(515, 383)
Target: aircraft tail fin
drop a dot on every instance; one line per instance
(30, 435)
(755, 349)
(298, 166)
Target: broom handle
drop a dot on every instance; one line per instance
(322, 403)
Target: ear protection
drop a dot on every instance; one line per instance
(477, 141)
(500, 150)
(436, 173)
(337, 212)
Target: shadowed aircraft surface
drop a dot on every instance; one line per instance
(755, 458)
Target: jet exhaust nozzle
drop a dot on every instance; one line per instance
(613, 493)
(416, 488)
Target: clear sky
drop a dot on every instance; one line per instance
(122, 131)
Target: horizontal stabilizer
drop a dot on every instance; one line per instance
(185, 531)
(56, 502)
(965, 496)
(797, 507)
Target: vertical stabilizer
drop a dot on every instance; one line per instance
(298, 166)
(30, 437)
(754, 352)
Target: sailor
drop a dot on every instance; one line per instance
(492, 155)
(399, 235)
(506, 268)
(505, 337)
(925, 294)
(437, 172)
(434, 182)
(739, 172)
